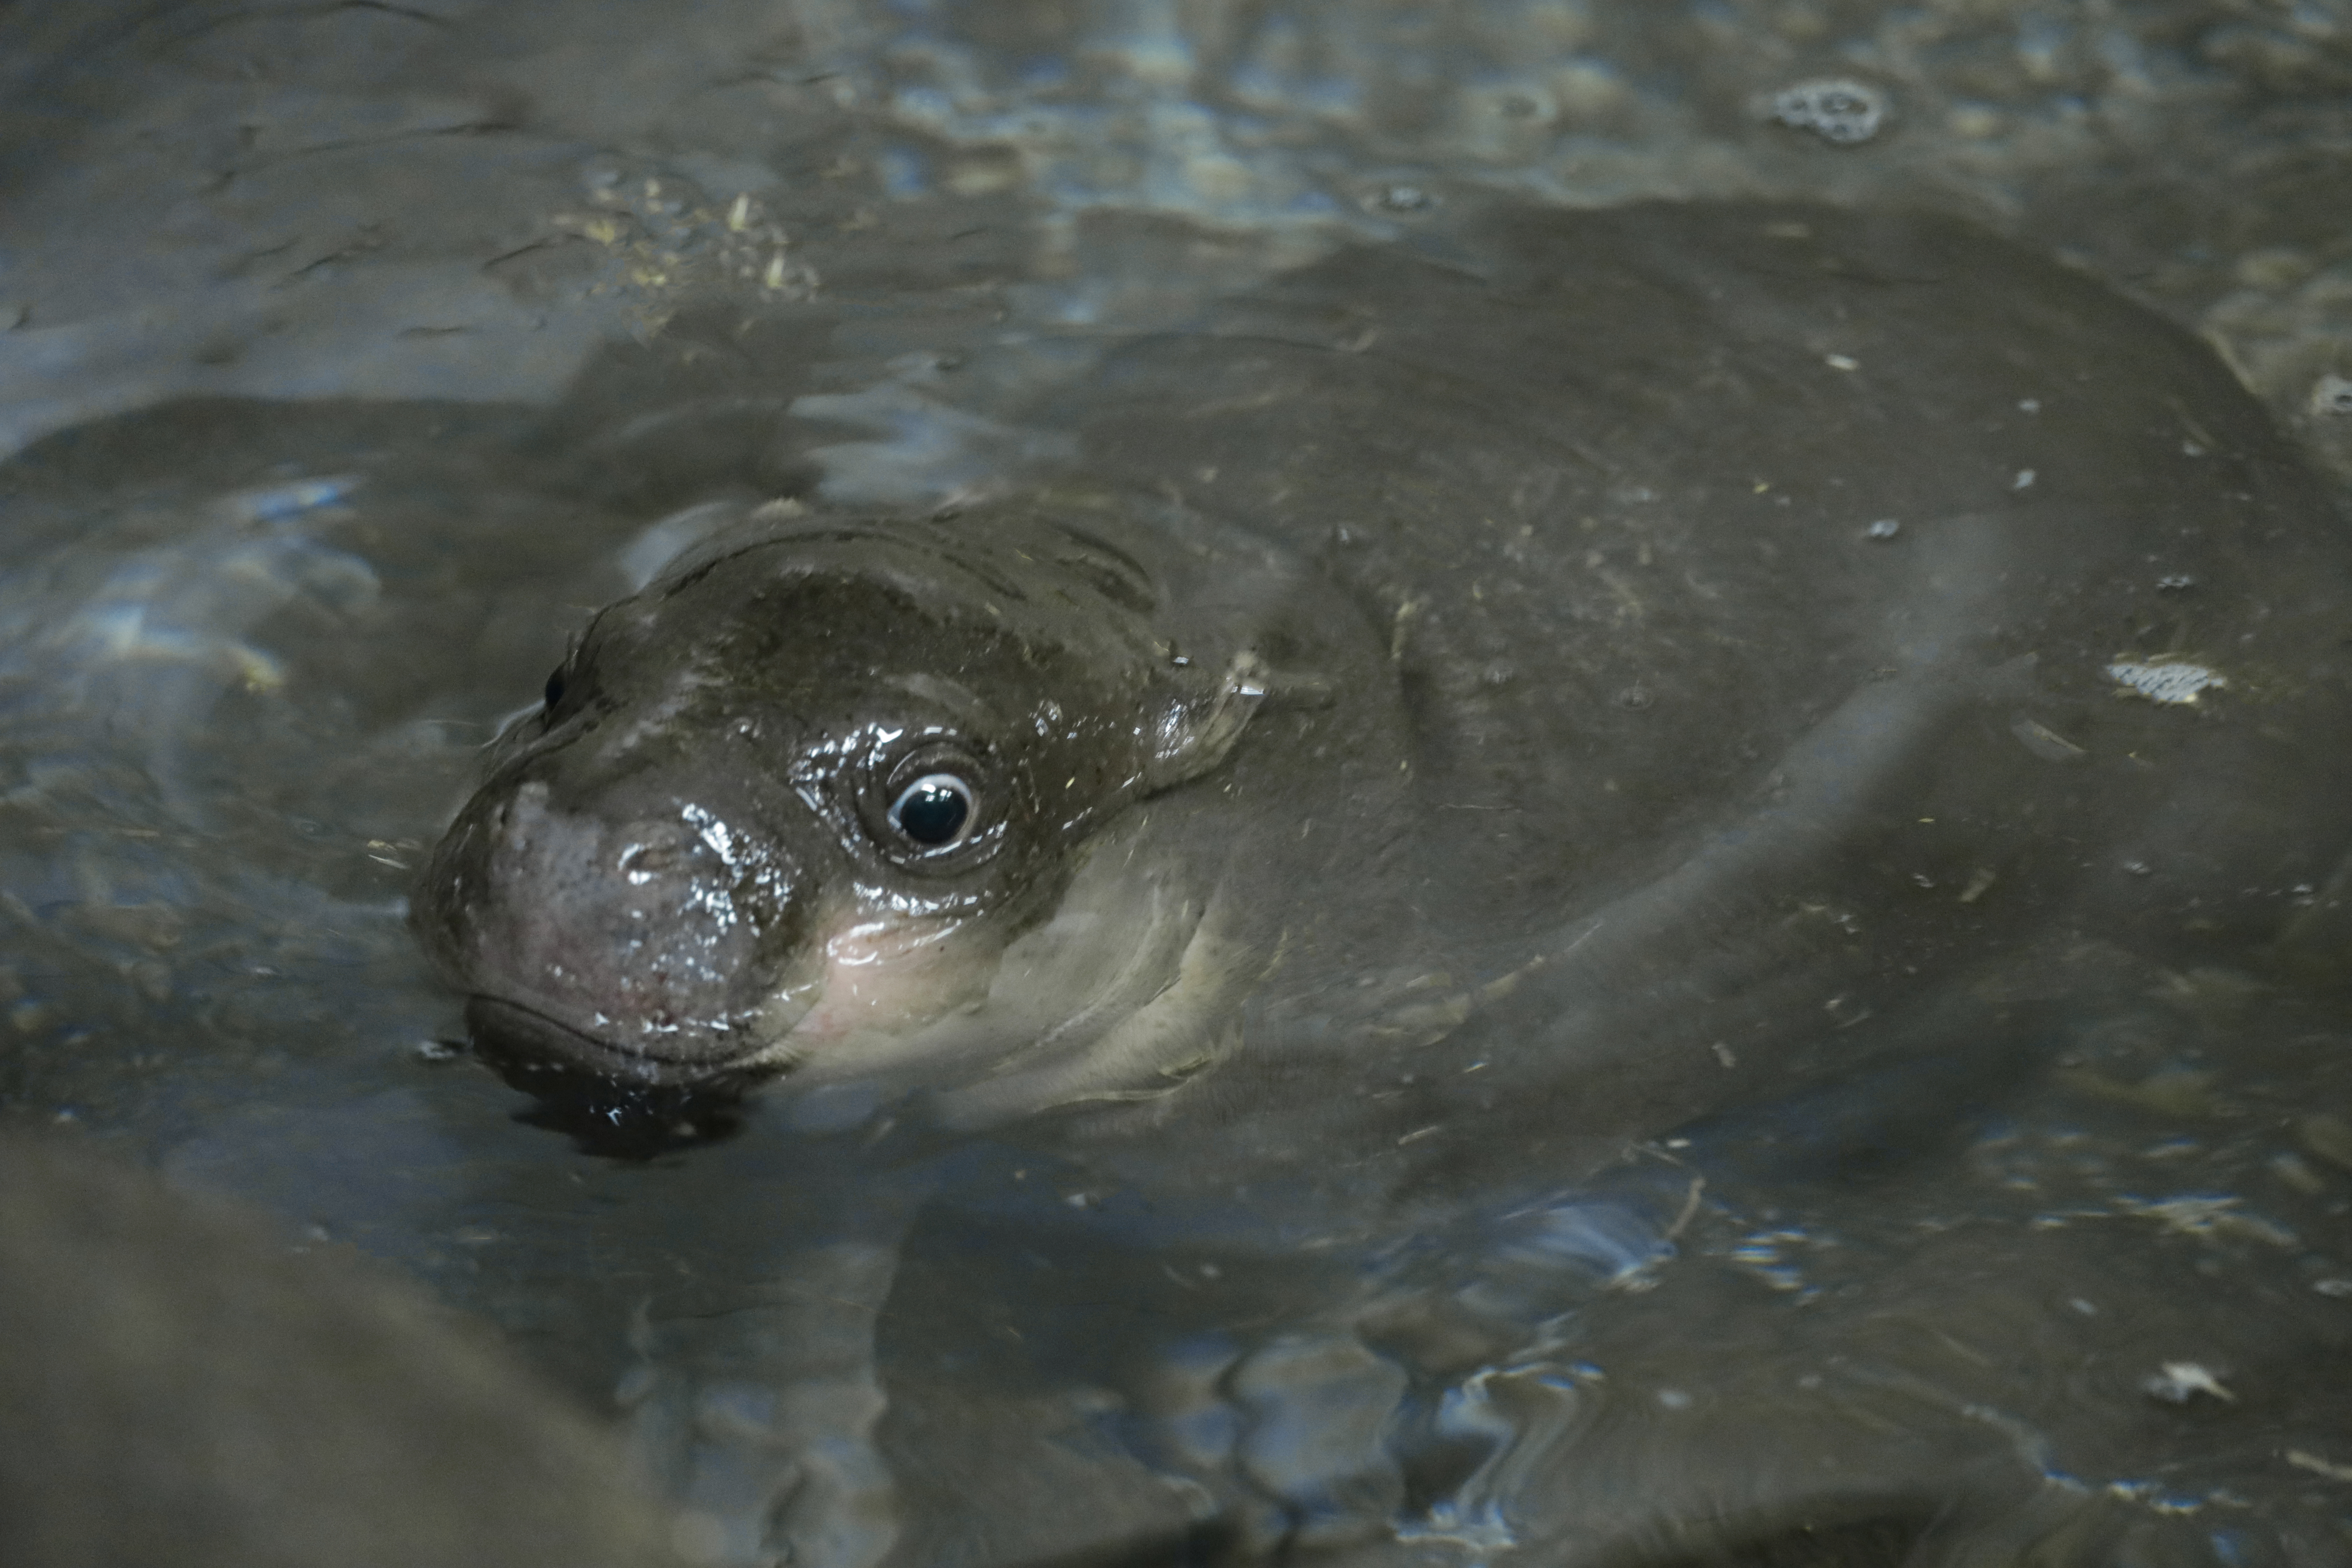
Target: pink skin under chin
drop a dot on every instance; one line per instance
(884, 976)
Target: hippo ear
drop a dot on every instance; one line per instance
(1195, 731)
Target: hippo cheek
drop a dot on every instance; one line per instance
(655, 947)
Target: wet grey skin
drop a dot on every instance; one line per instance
(1467, 706)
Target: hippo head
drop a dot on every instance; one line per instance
(791, 804)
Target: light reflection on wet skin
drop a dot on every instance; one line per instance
(275, 621)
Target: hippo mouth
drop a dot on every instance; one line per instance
(518, 1040)
(610, 1103)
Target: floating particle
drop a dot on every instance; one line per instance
(2173, 583)
(2168, 683)
(1402, 198)
(2024, 479)
(1834, 109)
(1885, 528)
(2332, 396)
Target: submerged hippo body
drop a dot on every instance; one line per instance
(1664, 655)
(1462, 713)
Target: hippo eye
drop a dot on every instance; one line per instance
(555, 687)
(934, 811)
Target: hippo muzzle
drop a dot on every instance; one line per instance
(640, 945)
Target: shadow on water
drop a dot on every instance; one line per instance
(622, 1121)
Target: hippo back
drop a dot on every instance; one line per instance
(1794, 615)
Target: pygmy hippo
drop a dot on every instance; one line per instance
(1662, 654)
(1465, 709)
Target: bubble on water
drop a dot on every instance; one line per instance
(1835, 108)
(1400, 198)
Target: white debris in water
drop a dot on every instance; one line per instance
(2332, 394)
(2303, 1461)
(1885, 528)
(2207, 1213)
(2181, 1381)
(1834, 109)
(2170, 683)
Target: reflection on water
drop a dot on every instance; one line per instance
(477, 304)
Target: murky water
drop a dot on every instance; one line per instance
(358, 350)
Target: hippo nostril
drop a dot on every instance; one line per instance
(645, 939)
(651, 850)
(641, 863)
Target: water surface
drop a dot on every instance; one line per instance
(358, 350)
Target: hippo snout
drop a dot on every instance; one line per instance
(641, 941)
